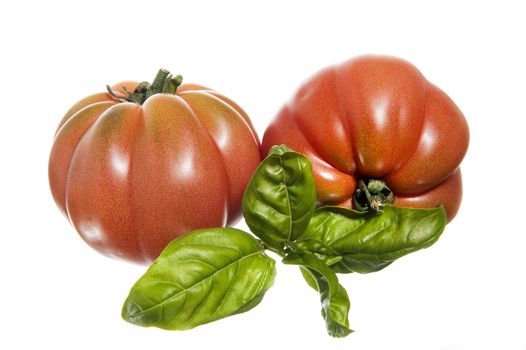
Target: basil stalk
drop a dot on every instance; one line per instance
(201, 277)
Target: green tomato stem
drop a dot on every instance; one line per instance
(158, 82)
(118, 96)
(372, 195)
(163, 83)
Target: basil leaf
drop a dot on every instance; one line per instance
(201, 277)
(280, 197)
(334, 299)
(368, 242)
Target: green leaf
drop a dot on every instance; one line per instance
(280, 197)
(334, 299)
(368, 242)
(201, 277)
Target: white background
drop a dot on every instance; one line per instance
(465, 292)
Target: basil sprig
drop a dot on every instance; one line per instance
(213, 273)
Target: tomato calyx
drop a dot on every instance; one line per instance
(164, 83)
(372, 195)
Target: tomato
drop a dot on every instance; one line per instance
(131, 176)
(376, 118)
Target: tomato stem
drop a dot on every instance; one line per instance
(372, 195)
(171, 84)
(158, 82)
(164, 83)
(118, 96)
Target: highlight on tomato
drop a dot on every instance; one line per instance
(377, 132)
(139, 165)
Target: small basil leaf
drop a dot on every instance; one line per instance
(334, 299)
(201, 277)
(280, 197)
(368, 242)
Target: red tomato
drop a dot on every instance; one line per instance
(376, 117)
(131, 177)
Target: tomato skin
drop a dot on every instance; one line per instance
(132, 177)
(376, 117)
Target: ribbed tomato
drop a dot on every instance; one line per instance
(376, 118)
(132, 171)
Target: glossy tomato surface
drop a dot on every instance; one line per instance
(132, 177)
(376, 117)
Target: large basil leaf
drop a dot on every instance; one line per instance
(366, 242)
(334, 299)
(200, 277)
(280, 197)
